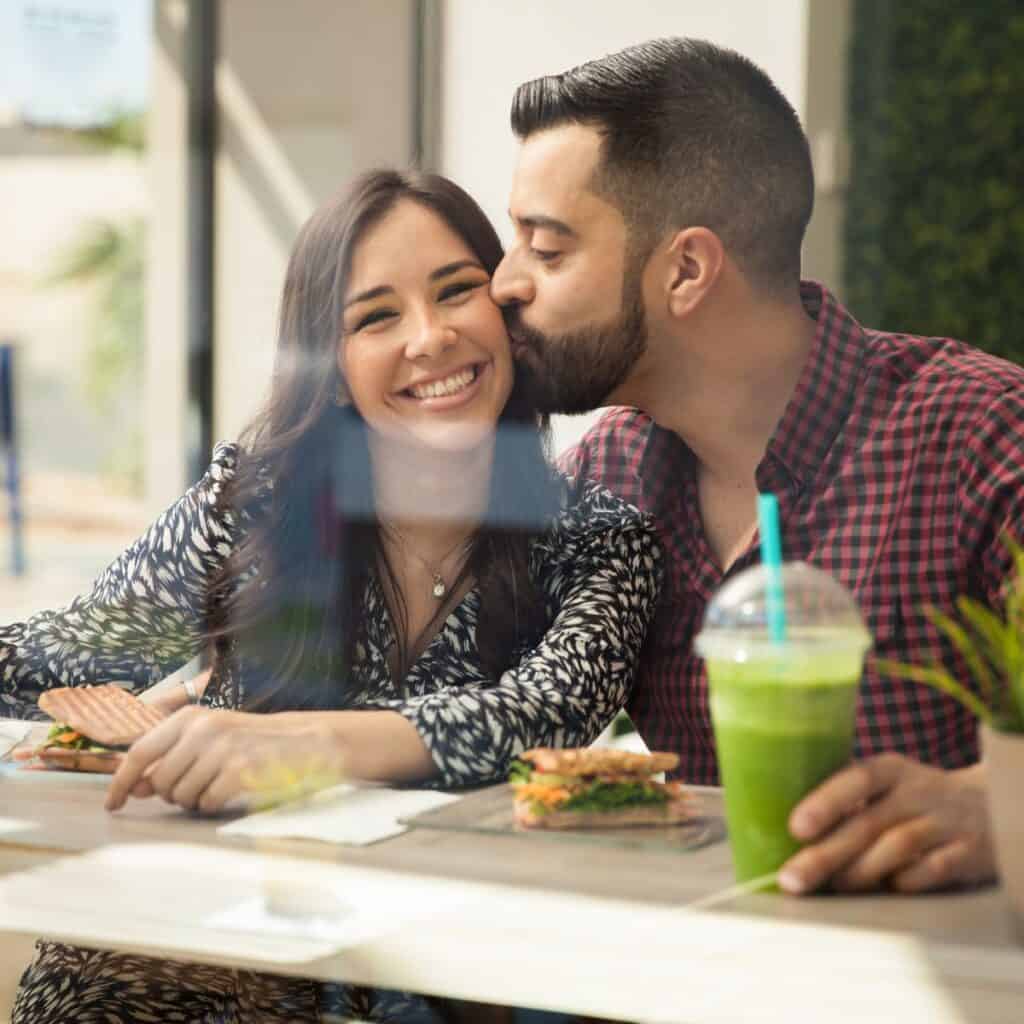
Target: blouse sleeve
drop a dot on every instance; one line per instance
(144, 616)
(601, 571)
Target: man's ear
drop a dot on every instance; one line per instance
(695, 259)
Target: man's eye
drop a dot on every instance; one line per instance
(458, 288)
(375, 317)
(545, 255)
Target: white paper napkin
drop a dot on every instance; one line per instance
(352, 815)
(12, 732)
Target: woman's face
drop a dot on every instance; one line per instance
(424, 349)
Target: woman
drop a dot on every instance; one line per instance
(393, 578)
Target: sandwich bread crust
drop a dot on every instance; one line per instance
(107, 714)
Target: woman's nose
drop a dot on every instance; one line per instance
(430, 338)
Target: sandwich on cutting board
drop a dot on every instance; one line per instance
(596, 787)
(95, 725)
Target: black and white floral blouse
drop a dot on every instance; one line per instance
(597, 566)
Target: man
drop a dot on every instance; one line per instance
(659, 204)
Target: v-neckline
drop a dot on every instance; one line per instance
(387, 637)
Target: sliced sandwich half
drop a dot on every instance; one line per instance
(94, 726)
(596, 788)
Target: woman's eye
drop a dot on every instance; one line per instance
(458, 288)
(376, 317)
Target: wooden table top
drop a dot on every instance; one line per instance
(968, 935)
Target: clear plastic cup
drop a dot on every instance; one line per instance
(783, 711)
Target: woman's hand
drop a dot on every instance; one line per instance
(168, 699)
(201, 759)
(891, 821)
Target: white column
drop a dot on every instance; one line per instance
(166, 331)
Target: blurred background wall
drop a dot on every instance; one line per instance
(203, 132)
(310, 92)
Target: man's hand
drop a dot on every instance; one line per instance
(201, 759)
(891, 821)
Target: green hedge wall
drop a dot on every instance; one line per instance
(934, 236)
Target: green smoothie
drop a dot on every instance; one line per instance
(783, 722)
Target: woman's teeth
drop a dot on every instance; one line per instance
(449, 386)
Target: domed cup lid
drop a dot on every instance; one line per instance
(820, 614)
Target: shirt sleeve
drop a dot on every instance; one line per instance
(144, 615)
(991, 497)
(603, 575)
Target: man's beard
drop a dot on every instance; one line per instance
(576, 371)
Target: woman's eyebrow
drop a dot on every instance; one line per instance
(435, 275)
(451, 268)
(370, 293)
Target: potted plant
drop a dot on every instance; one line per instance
(992, 647)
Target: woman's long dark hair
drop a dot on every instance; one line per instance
(288, 601)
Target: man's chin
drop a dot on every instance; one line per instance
(526, 357)
(537, 385)
(545, 399)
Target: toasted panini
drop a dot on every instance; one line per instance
(107, 715)
(596, 788)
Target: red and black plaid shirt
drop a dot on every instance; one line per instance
(898, 463)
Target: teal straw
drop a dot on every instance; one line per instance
(771, 559)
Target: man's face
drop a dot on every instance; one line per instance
(574, 308)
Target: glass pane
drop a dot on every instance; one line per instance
(73, 201)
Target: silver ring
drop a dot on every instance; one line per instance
(190, 690)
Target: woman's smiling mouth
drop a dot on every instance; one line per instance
(453, 386)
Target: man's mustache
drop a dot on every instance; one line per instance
(521, 336)
(513, 319)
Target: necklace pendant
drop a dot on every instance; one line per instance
(440, 589)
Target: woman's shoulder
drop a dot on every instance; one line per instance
(223, 462)
(591, 513)
(589, 502)
(598, 537)
(230, 464)
(208, 491)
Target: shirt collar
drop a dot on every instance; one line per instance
(825, 390)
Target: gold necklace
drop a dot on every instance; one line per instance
(440, 585)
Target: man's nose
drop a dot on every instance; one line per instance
(511, 285)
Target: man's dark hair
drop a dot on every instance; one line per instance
(693, 135)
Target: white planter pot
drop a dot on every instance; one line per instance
(1004, 758)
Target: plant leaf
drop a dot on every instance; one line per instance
(1001, 642)
(960, 639)
(1015, 590)
(939, 679)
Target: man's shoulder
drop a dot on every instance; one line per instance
(619, 425)
(594, 519)
(612, 449)
(942, 362)
(952, 378)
